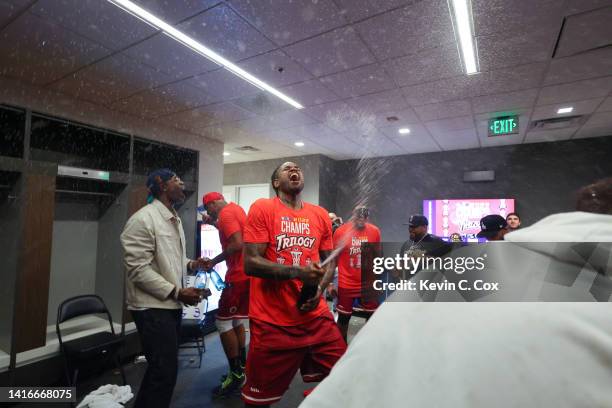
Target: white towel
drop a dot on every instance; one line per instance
(107, 396)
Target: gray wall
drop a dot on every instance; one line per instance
(541, 177)
(259, 172)
(73, 262)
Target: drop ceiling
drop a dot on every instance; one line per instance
(352, 63)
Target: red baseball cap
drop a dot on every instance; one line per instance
(212, 196)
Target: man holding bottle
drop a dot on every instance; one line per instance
(229, 218)
(285, 239)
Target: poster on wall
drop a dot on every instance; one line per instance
(462, 216)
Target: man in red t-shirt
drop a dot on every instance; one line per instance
(291, 328)
(234, 302)
(350, 236)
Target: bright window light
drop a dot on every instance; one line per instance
(299, 144)
(200, 49)
(226, 153)
(461, 11)
(404, 131)
(568, 109)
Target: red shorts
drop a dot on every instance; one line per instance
(350, 299)
(234, 301)
(277, 352)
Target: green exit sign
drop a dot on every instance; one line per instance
(508, 125)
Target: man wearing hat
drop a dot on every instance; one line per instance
(493, 227)
(234, 302)
(421, 242)
(155, 262)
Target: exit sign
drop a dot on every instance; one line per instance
(508, 125)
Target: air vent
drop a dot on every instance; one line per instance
(246, 149)
(558, 123)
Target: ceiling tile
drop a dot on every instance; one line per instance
(444, 110)
(100, 21)
(406, 118)
(225, 112)
(39, 51)
(599, 119)
(591, 64)
(505, 80)
(286, 22)
(596, 131)
(578, 6)
(331, 52)
(438, 91)
(590, 88)
(505, 101)
(492, 16)
(175, 11)
(310, 93)
(375, 144)
(316, 137)
(354, 10)
(165, 54)
(457, 139)
(441, 126)
(550, 135)
(275, 68)
(195, 120)
(223, 31)
(413, 28)
(606, 106)
(111, 79)
(585, 107)
(162, 101)
(503, 49)
(262, 103)
(379, 102)
(585, 31)
(417, 141)
(222, 85)
(9, 10)
(276, 121)
(340, 117)
(359, 81)
(428, 65)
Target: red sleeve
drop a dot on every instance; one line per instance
(229, 223)
(256, 227)
(376, 234)
(327, 242)
(338, 236)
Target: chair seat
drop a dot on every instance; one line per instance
(96, 345)
(191, 328)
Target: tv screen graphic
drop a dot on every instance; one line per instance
(462, 216)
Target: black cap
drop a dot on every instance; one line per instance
(491, 224)
(417, 220)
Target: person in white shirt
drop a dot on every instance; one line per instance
(155, 262)
(496, 354)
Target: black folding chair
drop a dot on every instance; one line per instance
(85, 350)
(192, 336)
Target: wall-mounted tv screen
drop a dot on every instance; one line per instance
(462, 216)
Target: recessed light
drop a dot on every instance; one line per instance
(299, 144)
(201, 49)
(226, 153)
(567, 109)
(404, 131)
(461, 11)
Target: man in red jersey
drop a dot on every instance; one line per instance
(291, 328)
(350, 236)
(234, 302)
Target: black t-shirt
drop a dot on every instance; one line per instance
(430, 244)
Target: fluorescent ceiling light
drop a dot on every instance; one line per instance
(568, 109)
(299, 144)
(461, 11)
(404, 131)
(187, 41)
(226, 153)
